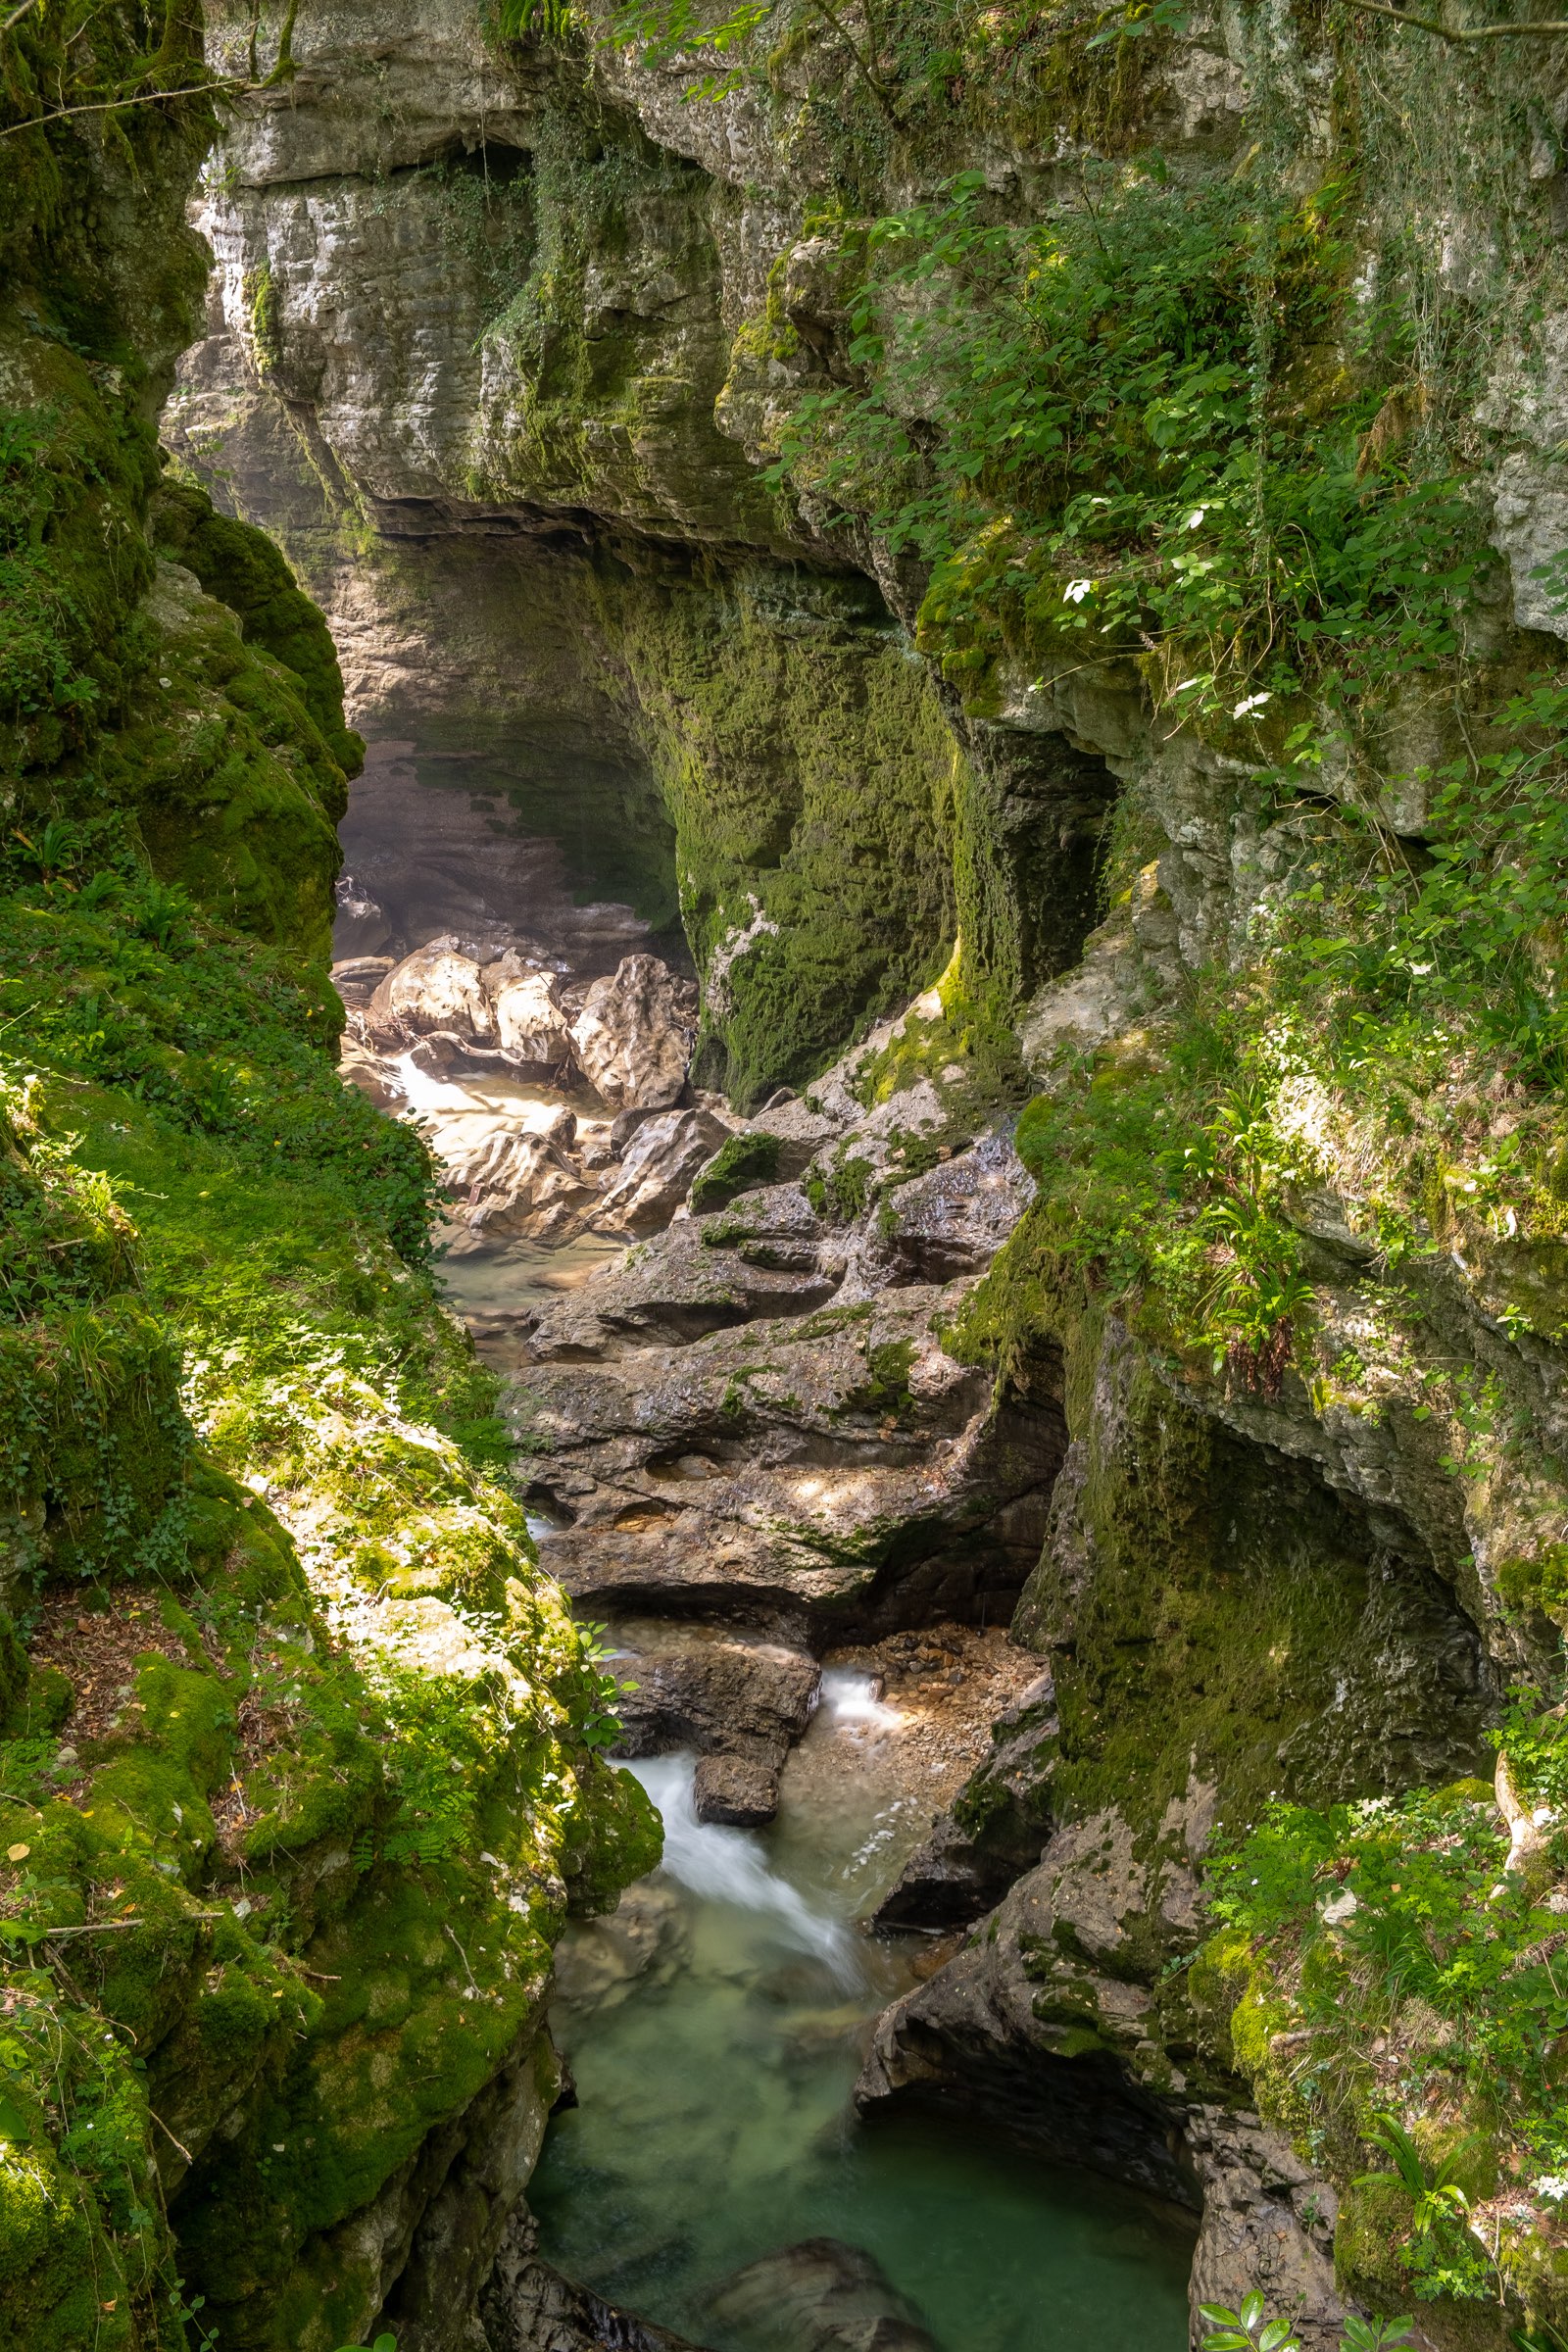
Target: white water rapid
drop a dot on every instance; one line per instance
(732, 1865)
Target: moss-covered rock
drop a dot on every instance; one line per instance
(297, 1745)
(239, 566)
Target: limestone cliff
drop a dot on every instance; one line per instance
(1084, 485)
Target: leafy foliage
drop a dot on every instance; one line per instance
(1395, 1927)
(1102, 431)
(1250, 2330)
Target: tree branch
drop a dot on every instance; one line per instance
(109, 106)
(1456, 33)
(866, 71)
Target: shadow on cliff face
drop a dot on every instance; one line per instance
(433, 844)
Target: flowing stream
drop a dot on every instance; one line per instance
(715, 2029)
(715, 2024)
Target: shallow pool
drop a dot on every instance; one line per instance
(715, 2032)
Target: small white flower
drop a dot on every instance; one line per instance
(1076, 590)
(1553, 2187)
(1253, 702)
(1190, 523)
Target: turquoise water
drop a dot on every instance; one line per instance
(715, 2032)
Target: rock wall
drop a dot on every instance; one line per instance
(492, 414)
(295, 1781)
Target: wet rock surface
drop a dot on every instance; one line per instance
(739, 1792)
(528, 2307)
(752, 1415)
(821, 2296)
(856, 1474)
(712, 1688)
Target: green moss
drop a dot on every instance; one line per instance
(886, 1387)
(263, 317)
(1224, 1631)
(310, 1872)
(841, 1187)
(809, 772)
(242, 569)
(741, 1163)
(610, 1842)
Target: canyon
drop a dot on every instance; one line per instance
(874, 703)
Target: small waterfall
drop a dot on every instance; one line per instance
(850, 1698)
(731, 1866)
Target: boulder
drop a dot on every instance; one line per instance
(530, 1022)
(656, 1169)
(518, 962)
(528, 1193)
(487, 1156)
(821, 2296)
(634, 1036)
(357, 977)
(436, 987)
(623, 1126)
(711, 1687)
(739, 1790)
